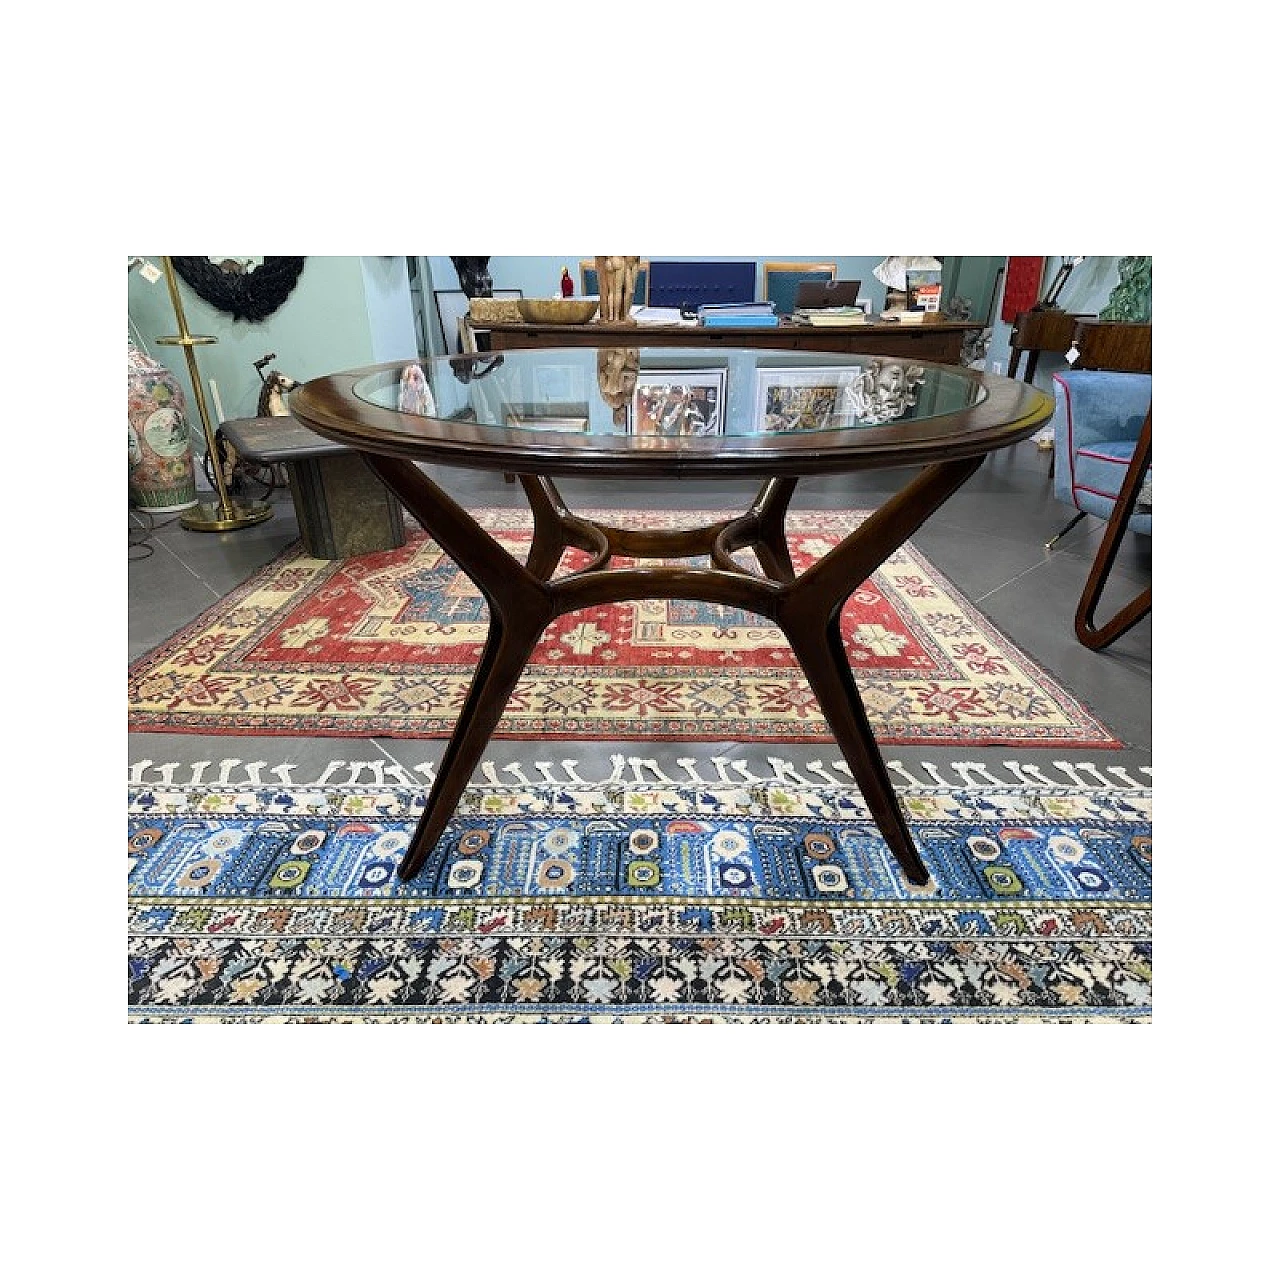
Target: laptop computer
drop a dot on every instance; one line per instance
(813, 295)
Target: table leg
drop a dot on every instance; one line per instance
(809, 615)
(1087, 631)
(506, 651)
(522, 599)
(519, 610)
(825, 664)
(771, 548)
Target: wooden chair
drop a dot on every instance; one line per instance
(782, 278)
(590, 281)
(1102, 438)
(1091, 634)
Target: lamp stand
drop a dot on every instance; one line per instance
(206, 517)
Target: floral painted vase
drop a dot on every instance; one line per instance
(162, 475)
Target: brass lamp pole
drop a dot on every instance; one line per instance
(207, 517)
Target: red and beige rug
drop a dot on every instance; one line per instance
(384, 645)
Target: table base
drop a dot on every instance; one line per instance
(523, 599)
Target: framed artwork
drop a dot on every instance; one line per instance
(804, 399)
(452, 305)
(550, 417)
(678, 402)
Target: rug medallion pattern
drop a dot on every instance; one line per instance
(386, 644)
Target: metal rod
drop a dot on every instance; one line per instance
(188, 350)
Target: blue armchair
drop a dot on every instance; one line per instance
(1102, 467)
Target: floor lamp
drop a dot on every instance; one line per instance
(208, 517)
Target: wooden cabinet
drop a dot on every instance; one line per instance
(940, 341)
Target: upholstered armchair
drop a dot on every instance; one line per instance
(1102, 467)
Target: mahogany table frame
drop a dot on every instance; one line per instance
(523, 598)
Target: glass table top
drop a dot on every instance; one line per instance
(670, 393)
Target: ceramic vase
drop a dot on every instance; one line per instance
(162, 475)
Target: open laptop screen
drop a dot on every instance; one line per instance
(812, 295)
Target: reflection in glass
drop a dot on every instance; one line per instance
(803, 399)
(681, 402)
(415, 394)
(883, 392)
(568, 416)
(656, 394)
(616, 372)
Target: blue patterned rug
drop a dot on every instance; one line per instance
(720, 896)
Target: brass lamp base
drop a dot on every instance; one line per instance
(212, 517)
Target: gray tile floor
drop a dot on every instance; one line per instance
(988, 540)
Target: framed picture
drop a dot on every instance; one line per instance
(452, 305)
(804, 399)
(570, 416)
(678, 402)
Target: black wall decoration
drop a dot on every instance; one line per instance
(245, 293)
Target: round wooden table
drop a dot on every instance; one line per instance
(621, 412)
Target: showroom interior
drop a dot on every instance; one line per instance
(1012, 551)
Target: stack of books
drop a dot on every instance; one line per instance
(737, 315)
(832, 315)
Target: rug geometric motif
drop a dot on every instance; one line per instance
(386, 644)
(634, 902)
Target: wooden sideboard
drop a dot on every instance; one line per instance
(1112, 344)
(940, 340)
(1034, 332)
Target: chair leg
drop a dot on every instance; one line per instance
(1088, 632)
(1066, 529)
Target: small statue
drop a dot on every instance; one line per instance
(617, 369)
(617, 277)
(273, 398)
(883, 392)
(415, 392)
(474, 277)
(566, 284)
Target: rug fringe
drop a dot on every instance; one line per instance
(642, 770)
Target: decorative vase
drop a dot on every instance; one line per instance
(162, 474)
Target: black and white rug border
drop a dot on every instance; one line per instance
(637, 770)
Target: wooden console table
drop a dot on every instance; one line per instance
(941, 340)
(1112, 344)
(1038, 331)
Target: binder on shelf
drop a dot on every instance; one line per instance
(738, 315)
(753, 320)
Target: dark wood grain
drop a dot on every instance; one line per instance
(942, 453)
(940, 340)
(1089, 632)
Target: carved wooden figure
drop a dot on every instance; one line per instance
(617, 276)
(617, 369)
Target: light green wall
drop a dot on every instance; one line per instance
(323, 326)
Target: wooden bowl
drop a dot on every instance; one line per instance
(557, 310)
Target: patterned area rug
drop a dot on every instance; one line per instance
(385, 645)
(634, 899)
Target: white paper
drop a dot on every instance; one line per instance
(659, 315)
